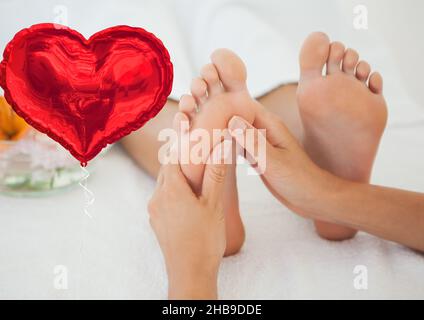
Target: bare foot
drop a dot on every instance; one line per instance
(219, 94)
(343, 113)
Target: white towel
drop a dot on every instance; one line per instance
(115, 255)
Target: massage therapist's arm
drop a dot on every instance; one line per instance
(392, 214)
(297, 182)
(190, 229)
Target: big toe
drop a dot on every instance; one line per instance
(314, 54)
(231, 69)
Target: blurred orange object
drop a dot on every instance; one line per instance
(12, 127)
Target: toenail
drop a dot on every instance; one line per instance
(236, 124)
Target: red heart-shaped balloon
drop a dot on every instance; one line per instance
(86, 94)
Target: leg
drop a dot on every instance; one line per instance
(143, 145)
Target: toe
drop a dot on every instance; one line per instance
(198, 90)
(231, 69)
(337, 50)
(363, 70)
(314, 54)
(210, 75)
(187, 105)
(181, 122)
(376, 83)
(350, 61)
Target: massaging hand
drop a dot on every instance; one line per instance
(289, 173)
(190, 229)
(391, 214)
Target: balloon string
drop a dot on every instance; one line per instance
(89, 195)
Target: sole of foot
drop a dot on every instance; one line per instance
(344, 114)
(216, 96)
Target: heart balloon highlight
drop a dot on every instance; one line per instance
(86, 94)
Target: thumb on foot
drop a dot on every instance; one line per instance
(215, 173)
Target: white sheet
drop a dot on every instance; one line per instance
(115, 254)
(268, 36)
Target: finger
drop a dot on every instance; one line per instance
(173, 178)
(252, 140)
(152, 207)
(277, 133)
(215, 173)
(181, 123)
(171, 171)
(159, 180)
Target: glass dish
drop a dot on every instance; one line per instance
(37, 165)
